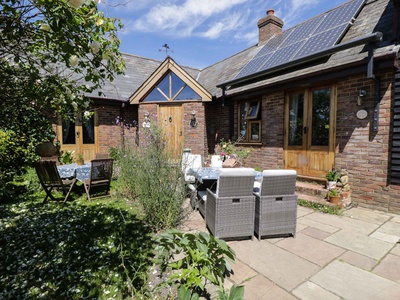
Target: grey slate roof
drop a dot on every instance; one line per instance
(137, 70)
(376, 15)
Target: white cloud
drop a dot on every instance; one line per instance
(232, 22)
(184, 19)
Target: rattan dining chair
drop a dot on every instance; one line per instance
(230, 209)
(50, 179)
(98, 185)
(276, 204)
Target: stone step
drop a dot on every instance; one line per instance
(316, 192)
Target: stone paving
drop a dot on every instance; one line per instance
(352, 256)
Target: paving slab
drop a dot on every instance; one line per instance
(310, 290)
(396, 250)
(241, 272)
(314, 250)
(344, 222)
(390, 232)
(389, 268)
(278, 265)
(360, 243)
(358, 260)
(395, 218)
(373, 216)
(303, 211)
(261, 288)
(350, 283)
(315, 233)
(318, 225)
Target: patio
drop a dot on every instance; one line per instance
(352, 256)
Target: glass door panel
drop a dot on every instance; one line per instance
(296, 119)
(321, 100)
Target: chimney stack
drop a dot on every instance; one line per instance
(268, 26)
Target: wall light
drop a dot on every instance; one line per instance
(193, 121)
(360, 96)
(146, 122)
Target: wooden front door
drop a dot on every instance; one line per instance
(170, 118)
(310, 118)
(79, 135)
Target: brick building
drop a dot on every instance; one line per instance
(321, 94)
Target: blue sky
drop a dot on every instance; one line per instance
(201, 32)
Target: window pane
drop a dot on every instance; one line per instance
(155, 95)
(68, 132)
(255, 131)
(243, 121)
(188, 94)
(88, 130)
(320, 117)
(253, 109)
(296, 122)
(177, 84)
(164, 85)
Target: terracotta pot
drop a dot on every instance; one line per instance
(334, 199)
(46, 149)
(80, 162)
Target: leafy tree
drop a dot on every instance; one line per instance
(52, 53)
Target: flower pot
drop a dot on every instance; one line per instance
(330, 185)
(80, 162)
(334, 199)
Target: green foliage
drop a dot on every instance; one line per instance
(16, 152)
(51, 55)
(67, 157)
(74, 251)
(333, 175)
(149, 175)
(204, 260)
(230, 149)
(333, 193)
(324, 208)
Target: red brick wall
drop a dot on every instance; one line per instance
(363, 151)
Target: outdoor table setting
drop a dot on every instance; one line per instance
(206, 178)
(80, 172)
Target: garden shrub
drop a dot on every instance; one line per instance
(202, 260)
(149, 176)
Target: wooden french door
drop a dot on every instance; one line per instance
(170, 118)
(79, 135)
(310, 118)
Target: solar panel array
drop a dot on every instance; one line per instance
(305, 39)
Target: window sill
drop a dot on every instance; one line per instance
(251, 143)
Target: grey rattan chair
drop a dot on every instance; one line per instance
(276, 204)
(230, 209)
(100, 178)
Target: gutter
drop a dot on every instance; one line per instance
(372, 39)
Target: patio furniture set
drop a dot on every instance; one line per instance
(95, 176)
(238, 202)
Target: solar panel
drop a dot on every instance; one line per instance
(307, 38)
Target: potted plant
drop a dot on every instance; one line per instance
(332, 177)
(333, 196)
(79, 159)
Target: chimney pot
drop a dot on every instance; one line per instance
(269, 26)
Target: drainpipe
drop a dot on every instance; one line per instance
(122, 124)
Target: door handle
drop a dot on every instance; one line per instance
(77, 134)
(305, 129)
(180, 133)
